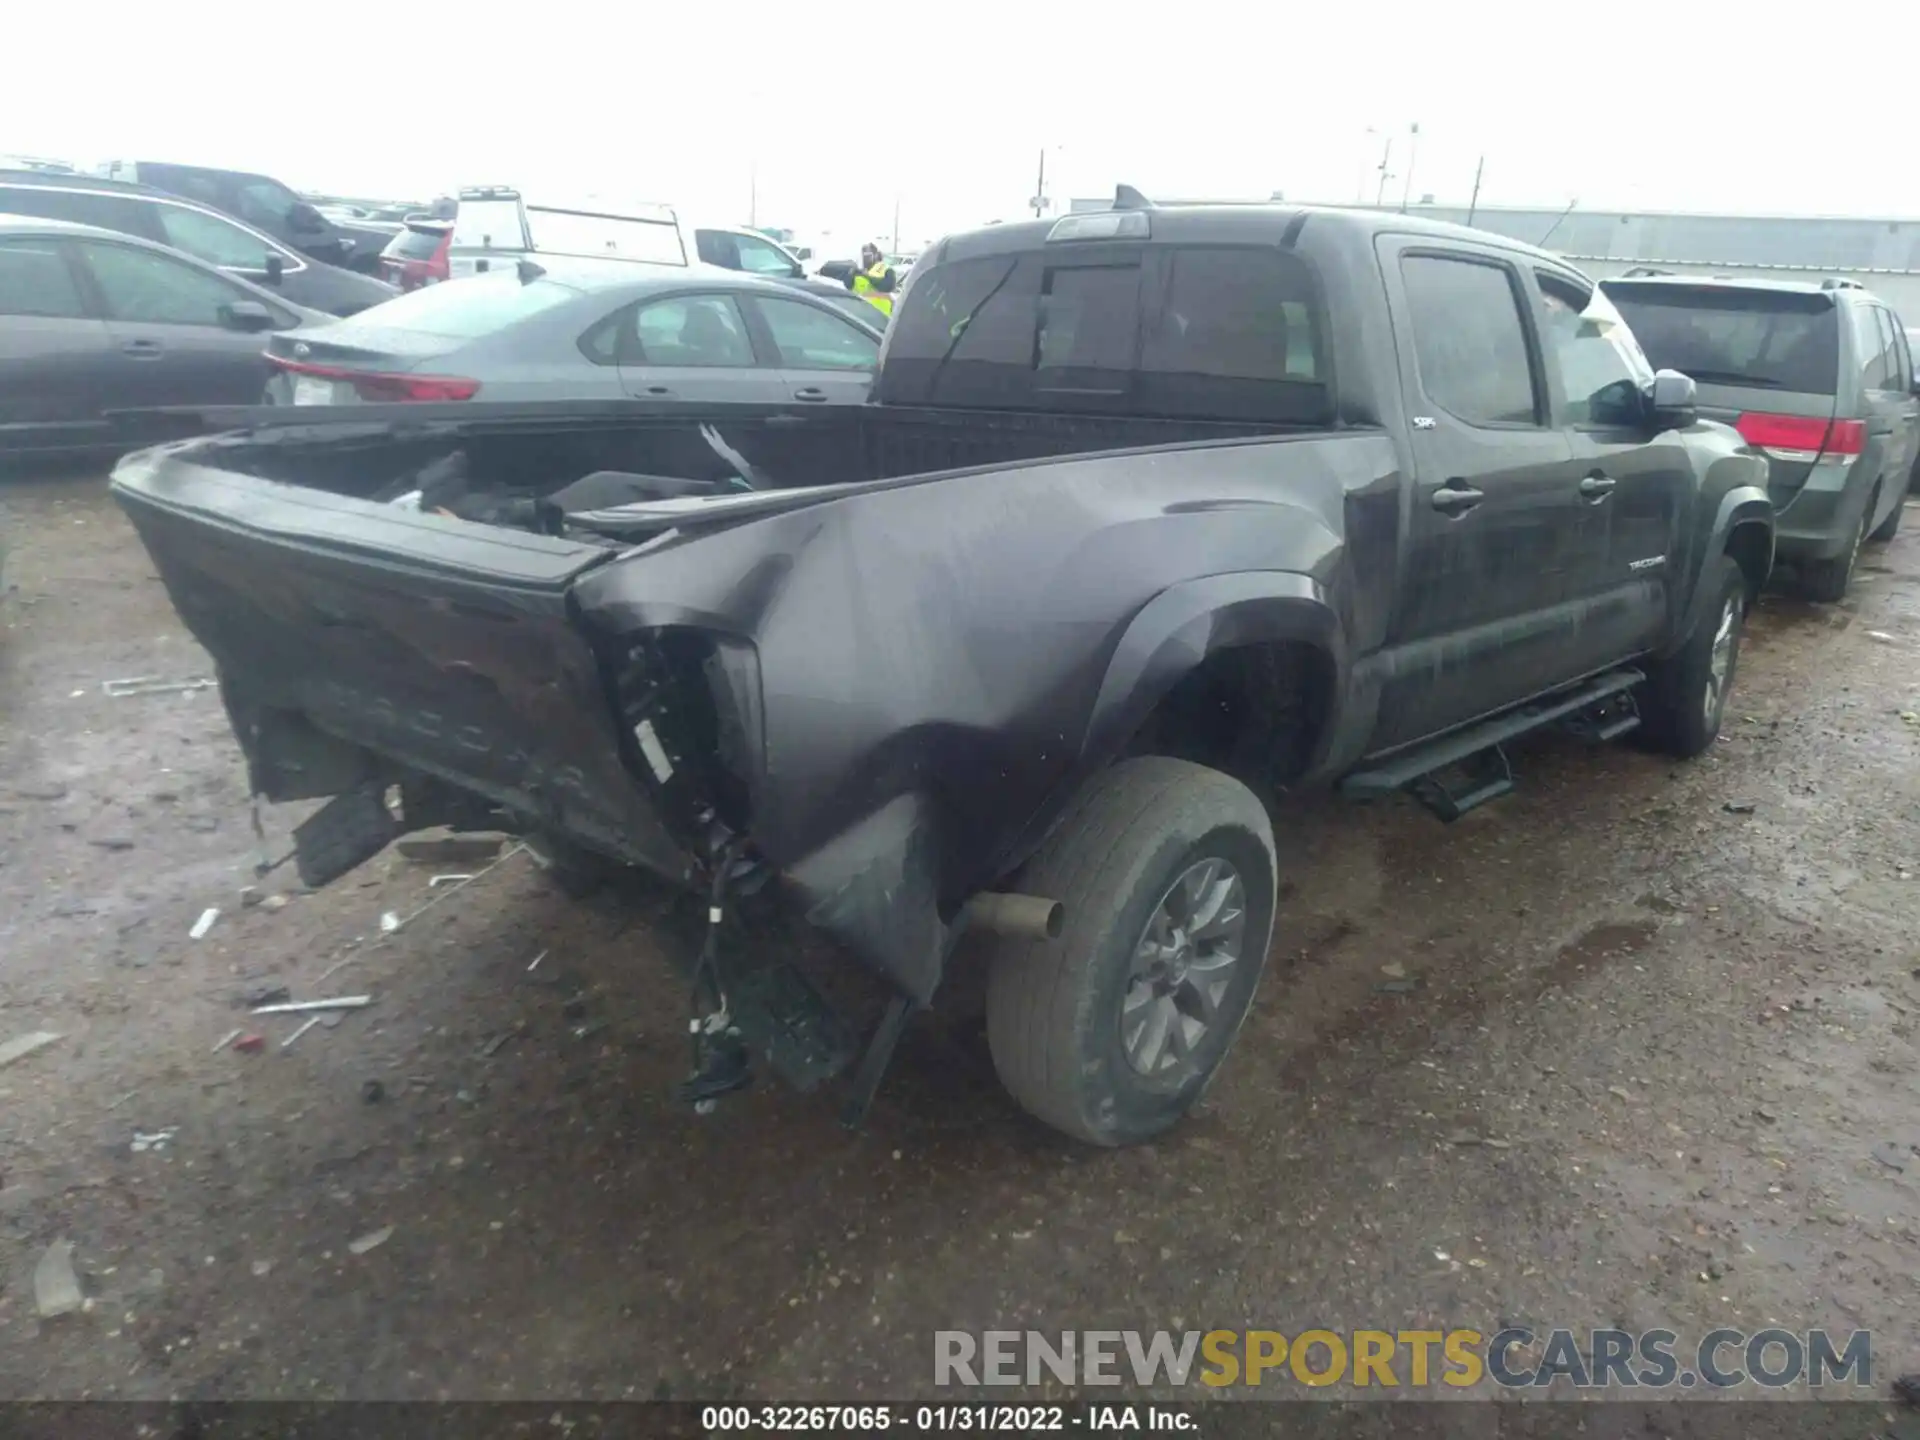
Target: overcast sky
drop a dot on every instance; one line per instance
(1807, 109)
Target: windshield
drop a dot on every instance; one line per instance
(465, 309)
(1766, 339)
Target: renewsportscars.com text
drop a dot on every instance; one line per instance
(1512, 1358)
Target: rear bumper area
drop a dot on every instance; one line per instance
(1819, 520)
(356, 642)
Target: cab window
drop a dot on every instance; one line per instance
(1601, 366)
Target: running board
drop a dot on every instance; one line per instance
(1402, 770)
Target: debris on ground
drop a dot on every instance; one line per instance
(1394, 971)
(261, 1269)
(1738, 807)
(534, 964)
(1620, 1092)
(23, 1046)
(373, 1240)
(274, 902)
(457, 879)
(153, 685)
(204, 923)
(303, 1007)
(56, 1288)
(1396, 987)
(450, 848)
(226, 1040)
(263, 992)
(1890, 1155)
(250, 896)
(111, 842)
(156, 1140)
(389, 922)
(250, 1044)
(373, 1092)
(311, 1021)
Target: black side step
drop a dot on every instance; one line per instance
(1401, 770)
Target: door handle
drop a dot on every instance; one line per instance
(810, 392)
(1454, 498)
(1597, 487)
(142, 349)
(658, 390)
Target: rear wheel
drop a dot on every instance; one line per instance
(1686, 694)
(1889, 527)
(1829, 580)
(1112, 1032)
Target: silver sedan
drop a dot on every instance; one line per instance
(585, 331)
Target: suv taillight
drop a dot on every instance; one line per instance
(1801, 437)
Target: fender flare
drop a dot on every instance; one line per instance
(1742, 505)
(1185, 623)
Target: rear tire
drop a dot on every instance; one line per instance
(1685, 695)
(1828, 581)
(1112, 1032)
(1889, 527)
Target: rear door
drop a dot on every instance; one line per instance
(824, 358)
(1634, 485)
(56, 355)
(1892, 396)
(1765, 360)
(173, 344)
(694, 347)
(1489, 607)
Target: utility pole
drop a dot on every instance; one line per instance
(1040, 187)
(1380, 193)
(1413, 150)
(896, 224)
(1474, 203)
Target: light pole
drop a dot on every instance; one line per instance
(1413, 150)
(1380, 192)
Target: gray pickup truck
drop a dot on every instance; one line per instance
(1158, 515)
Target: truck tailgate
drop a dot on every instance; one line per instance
(444, 645)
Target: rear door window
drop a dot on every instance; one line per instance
(1236, 337)
(1601, 367)
(702, 331)
(35, 280)
(1469, 342)
(1734, 335)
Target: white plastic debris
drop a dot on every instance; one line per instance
(389, 922)
(25, 1045)
(226, 1040)
(434, 884)
(155, 1140)
(311, 1021)
(56, 1289)
(303, 1007)
(153, 685)
(373, 1240)
(204, 923)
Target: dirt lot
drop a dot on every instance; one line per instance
(1687, 1024)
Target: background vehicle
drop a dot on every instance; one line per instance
(580, 332)
(195, 230)
(265, 204)
(494, 225)
(92, 322)
(420, 253)
(1819, 379)
(755, 254)
(1156, 511)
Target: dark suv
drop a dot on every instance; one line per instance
(1818, 378)
(266, 204)
(196, 230)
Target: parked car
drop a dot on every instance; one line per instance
(265, 204)
(756, 254)
(1819, 379)
(495, 225)
(93, 322)
(420, 253)
(1156, 512)
(584, 331)
(194, 229)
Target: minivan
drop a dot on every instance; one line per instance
(1819, 378)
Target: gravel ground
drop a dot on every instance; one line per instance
(1633, 1046)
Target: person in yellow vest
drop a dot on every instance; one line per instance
(875, 281)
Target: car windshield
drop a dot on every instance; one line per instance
(465, 309)
(1767, 339)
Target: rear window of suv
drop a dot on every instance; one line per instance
(1199, 332)
(415, 243)
(1723, 335)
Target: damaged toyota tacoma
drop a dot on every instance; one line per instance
(1156, 516)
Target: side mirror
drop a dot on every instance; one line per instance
(276, 268)
(247, 316)
(1672, 401)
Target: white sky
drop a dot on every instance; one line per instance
(1678, 105)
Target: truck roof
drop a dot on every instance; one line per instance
(1220, 224)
